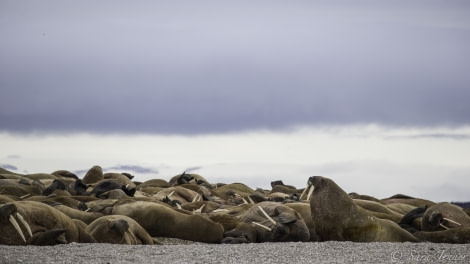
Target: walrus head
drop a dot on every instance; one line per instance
(274, 183)
(328, 199)
(121, 226)
(79, 187)
(10, 212)
(443, 216)
(56, 185)
(185, 178)
(435, 220)
(128, 175)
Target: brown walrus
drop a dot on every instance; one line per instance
(337, 217)
(160, 220)
(459, 235)
(443, 216)
(35, 223)
(118, 229)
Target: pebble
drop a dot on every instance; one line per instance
(180, 251)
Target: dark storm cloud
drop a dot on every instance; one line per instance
(8, 167)
(200, 67)
(133, 168)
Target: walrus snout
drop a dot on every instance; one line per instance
(315, 180)
(436, 219)
(310, 181)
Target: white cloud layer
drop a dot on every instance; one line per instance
(368, 159)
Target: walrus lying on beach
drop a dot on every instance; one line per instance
(160, 220)
(118, 229)
(270, 222)
(337, 217)
(443, 216)
(35, 223)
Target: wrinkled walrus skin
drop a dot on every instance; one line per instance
(114, 207)
(48, 225)
(338, 218)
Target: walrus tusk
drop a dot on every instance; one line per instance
(244, 201)
(195, 198)
(199, 210)
(263, 226)
(249, 199)
(170, 194)
(444, 226)
(452, 221)
(220, 210)
(127, 239)
(87, 210)
(310, 192)
(304, 191)
(131, 237)
(267, 216)
(25, 224)
(24, 196)
(178, 205)
(17, 227)
(127, 185)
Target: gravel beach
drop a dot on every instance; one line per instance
(174, 251)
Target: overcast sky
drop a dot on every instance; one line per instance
(200, 68)
(217, 66)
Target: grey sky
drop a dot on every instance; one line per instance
(217, 66)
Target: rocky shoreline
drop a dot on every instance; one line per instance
(180, 251)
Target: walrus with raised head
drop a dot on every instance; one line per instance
(337, 217)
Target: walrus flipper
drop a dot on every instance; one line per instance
(285, 216)
(407, 221)
(51, 237)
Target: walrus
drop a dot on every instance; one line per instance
(234, 193)
(378, 210)
(107, 185)
(93, 175)
(154, 183)
(401, 198)
(35, 223)
(185, 178)
(86, 217)
(56, 185)
(118, 229)
(181, 194)
(443, 216)
(453, 236)
(121, 179)
(270, 222)
(337, 217)
(18, 189)
(304, 210)
(411, 222)
(65, 174)
(162, 221)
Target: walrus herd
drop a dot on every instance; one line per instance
(60, 207)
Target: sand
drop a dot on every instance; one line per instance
(176, 251)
